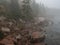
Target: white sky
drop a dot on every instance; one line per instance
(50, 3)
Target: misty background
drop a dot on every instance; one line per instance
(52, 12)
(34, 11)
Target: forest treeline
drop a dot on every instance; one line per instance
(27, 11)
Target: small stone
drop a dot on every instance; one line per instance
(10, 23)
(18, 36)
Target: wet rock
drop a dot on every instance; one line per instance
(39, 19)
(37, 38)
(16, 29)
(18, 36)
(10, 24)
(5, 29)
(9, 40)
(38, 34)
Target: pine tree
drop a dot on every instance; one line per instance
(27, 11)
(15, 11)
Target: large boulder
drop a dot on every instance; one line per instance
(37, 34)
(37, 38)
(5, 29)
(9, 40)
(39, 19)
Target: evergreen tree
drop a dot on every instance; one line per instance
(15, 11)
(27, 11)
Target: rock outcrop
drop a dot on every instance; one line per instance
(13, 34)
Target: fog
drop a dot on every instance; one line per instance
(30, 13)
(52, 8)
(50, 3)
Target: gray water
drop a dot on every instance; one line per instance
(53, 31)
